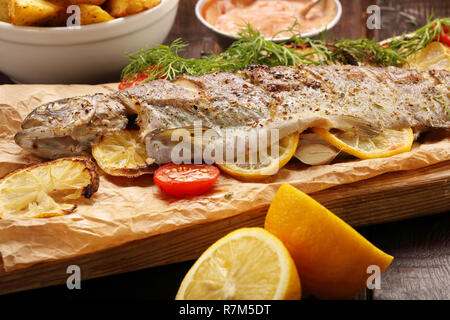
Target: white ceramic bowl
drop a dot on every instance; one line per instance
(90, 54)
(201, 3)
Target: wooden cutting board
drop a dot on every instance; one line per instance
(386, 198)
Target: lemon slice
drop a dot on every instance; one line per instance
(264, 167)
(47, 189)
(246, 264)
(122, 154)
(388, 143)
(435, 55)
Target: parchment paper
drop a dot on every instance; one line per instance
(130, 209)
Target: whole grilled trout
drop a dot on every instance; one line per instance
(364, 100)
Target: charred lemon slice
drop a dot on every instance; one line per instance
(268, 165)
(122, 154)
(435, 55)
(47, 189)
(388, 143)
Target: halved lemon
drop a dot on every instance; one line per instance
(268, 165)
(388, 143)
(435, 55)
(122, 154)
(246, 264)
(47, 189)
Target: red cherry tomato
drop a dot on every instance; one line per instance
(444, 37)
(184, 180)
(139, 77)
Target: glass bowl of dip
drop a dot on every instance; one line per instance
(269, 17)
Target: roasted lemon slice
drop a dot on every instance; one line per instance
(388, 143)
(267, 166)
(122, 154)
(247, 264)
(435, 55)
(47, 189)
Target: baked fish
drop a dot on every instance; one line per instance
(67, 127)
(363, 99)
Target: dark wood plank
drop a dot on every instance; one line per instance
(188, 28)
(421, 267)
(399, 16)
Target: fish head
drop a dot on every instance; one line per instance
(67, 127)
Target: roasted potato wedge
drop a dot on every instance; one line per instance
(91, 14)
(53, 13)
(60, 18)
(95, 2)
(33, 12)
(122, 154)
(61, 3)
(4, 10)
(122, 8)
(47, 189)
(142, 5)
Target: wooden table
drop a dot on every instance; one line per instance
(421, 269)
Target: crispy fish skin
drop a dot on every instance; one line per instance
(362, 99)
(222, 99)
(390, 98)
(217, 101)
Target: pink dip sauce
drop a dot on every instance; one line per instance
(269, 16)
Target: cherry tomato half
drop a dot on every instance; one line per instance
(184, 180)
(139, 77)
(444, 37)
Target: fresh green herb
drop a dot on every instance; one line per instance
(412, 22)
(251, 48)
(407, 45)
(228, 195)
(366, 50)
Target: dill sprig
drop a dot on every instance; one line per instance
(368, 51)
(252, 48)
(406, 45)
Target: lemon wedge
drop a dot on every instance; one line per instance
(122, 154)
(246, 264)
(388, 143)
(331, 257)
(267, 166)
